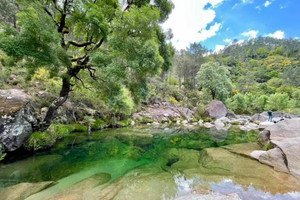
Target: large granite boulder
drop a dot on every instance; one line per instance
(16, 118)
(163, 112)
(259, 118)
(216, 109)
(284, 136)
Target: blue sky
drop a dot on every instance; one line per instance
(215, 23)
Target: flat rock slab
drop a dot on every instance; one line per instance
(23, 190)
(242, 149)
(289, 128)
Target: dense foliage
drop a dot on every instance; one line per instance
(258, 75)
(117, 45)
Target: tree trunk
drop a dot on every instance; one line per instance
(64, 93)
(89, 129)
(213, 94)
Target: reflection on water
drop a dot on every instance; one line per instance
(227, 186)
(145, 164)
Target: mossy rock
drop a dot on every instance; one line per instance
(124, 123)
(235, 123)
(207, 119)
(136, 139)
(99, 124)
(144, 120)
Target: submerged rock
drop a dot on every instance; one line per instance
(23, 190)
(77, 191)
(16, 118)
(219, 163)
(138, 139)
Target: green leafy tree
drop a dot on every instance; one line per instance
(237, 103)
(291, 75)
(296, 99)
(278, 101)
(123, 42)
(261, 102)
(215, 79)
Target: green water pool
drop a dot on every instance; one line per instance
(146, 163)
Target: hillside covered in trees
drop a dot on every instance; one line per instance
(253, 76)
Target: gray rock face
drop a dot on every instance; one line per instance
(16, 118)
(290, 148)
(163, 112)
(285, 137)
(264, 137)
(216, 109)
(275, 158)
(259, 118)
(230, 114)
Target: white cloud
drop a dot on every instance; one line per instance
(212, 31)
(219, 47)
(251, 34)
(242, 3)
(277, 34)
(247, 1)
(189, 21)
(227, 40)
(267, 3)
(258, 8)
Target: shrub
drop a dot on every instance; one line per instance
(2, 156)
(124, 123)
(172, 81)
(237, 103)
(296, 99)
(99, 124)
(261, 102)
(173, 100)
(268, 147)
(40, 140)
(278, 101)
(235, 123)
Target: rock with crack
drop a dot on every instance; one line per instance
(285, 137)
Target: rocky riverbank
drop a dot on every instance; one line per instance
(280, 140)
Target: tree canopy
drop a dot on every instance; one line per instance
(117, 44)
(215, 78)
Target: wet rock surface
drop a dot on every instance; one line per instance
(23, 190)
